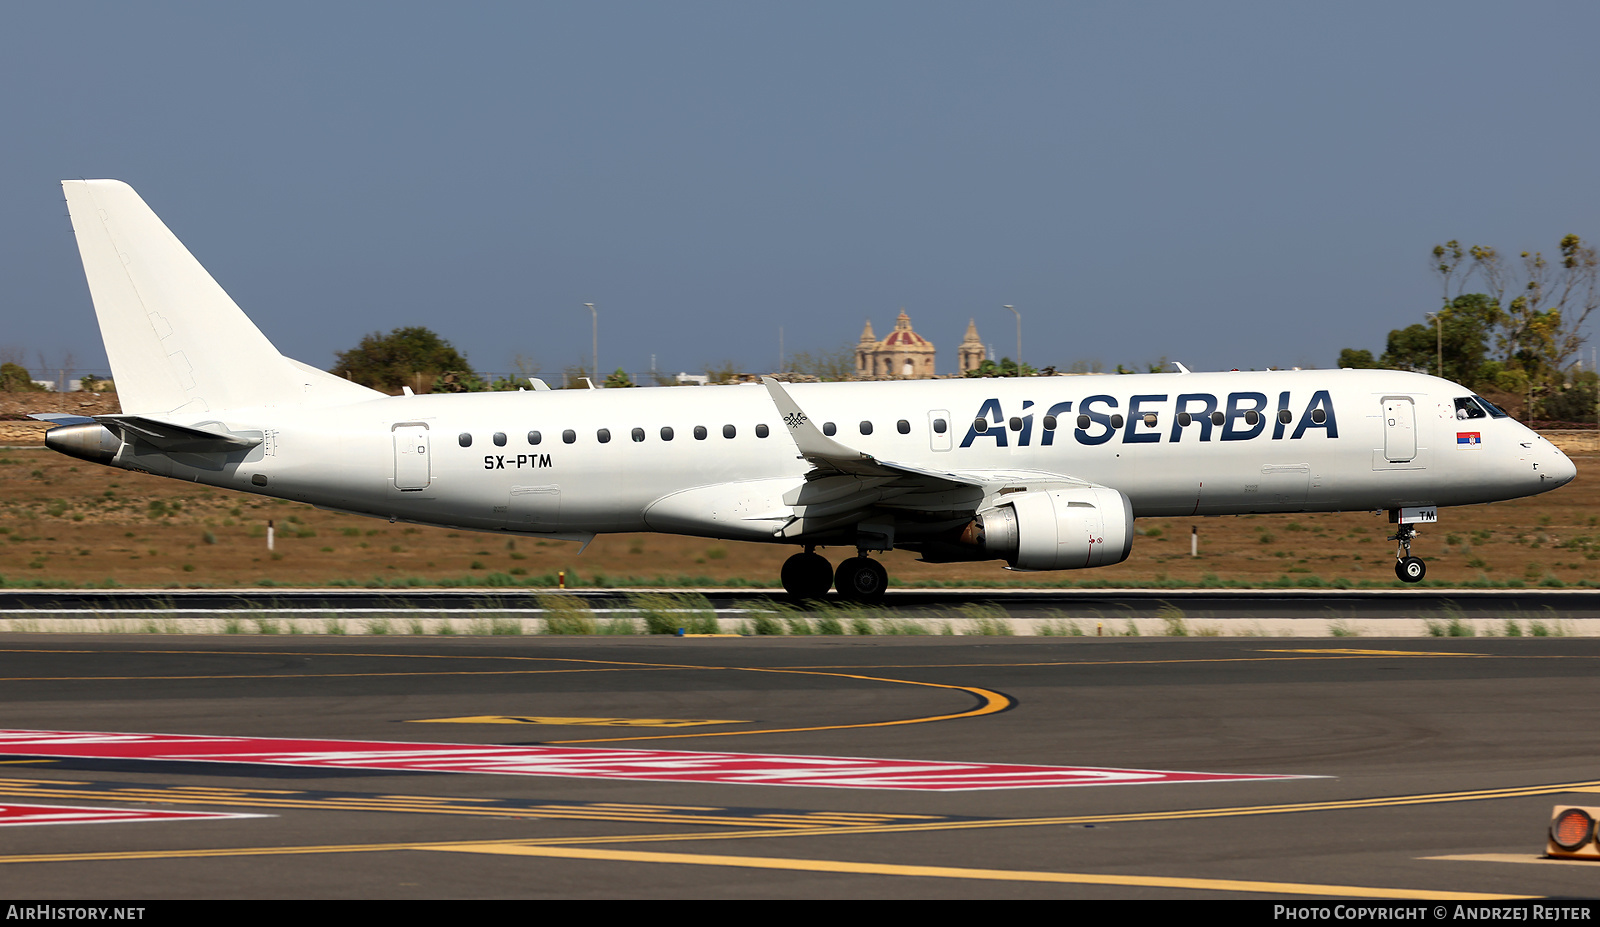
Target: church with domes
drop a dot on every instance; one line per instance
(906, 354)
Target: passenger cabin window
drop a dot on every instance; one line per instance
(1150, 420)
(866, 428)
(830, 429)
(940, 426)
(603, 436)
(903, 426)
(1252, 417)
(1116, 420)
(1218, 417)
(699, 432)
(1049, 423)
(761, 431)
(499, 439)
(535, 437)
(980, 425)
(1318, 416)
(729, 431)
(1015, 423)
(1184, 419)
(465, 440)
(666, 432)
(1083, 421)
(1285, 416)
(569, 436)
(638, 435)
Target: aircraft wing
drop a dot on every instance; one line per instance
(170, 436)
(845, 485)
(60, 418)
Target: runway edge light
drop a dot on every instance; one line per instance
(1572, 833)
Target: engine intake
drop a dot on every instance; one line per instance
(1059, 529)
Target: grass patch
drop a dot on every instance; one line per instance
(565, 614)
(987, 621)
(665, 613)
(1172, 620)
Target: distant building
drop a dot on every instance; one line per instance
(971, 355)
(904, 353)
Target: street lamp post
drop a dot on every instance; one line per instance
(595, 371)
(1019, 337)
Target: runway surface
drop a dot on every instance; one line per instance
(1205, 604)
(792, 767)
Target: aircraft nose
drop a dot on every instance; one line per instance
(1561, 467)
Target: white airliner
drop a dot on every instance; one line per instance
(1044, 473)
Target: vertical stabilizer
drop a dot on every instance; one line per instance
(176, 341)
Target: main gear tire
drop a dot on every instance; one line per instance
(861, 579)
(807, 576)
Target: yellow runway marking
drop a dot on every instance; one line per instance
(575, 722)
(758, 862)
(989, 702)
(1381, 653)
(280, 799)
(953, 872)
(1511, 858)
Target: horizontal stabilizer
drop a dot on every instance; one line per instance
(171, 437)
(60, 418)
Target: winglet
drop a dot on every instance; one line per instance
(813, 444)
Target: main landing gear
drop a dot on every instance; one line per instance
(859, 579)
(1410, 569)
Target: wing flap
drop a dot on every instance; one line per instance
(845, 484)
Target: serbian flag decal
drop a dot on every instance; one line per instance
(1469, 439)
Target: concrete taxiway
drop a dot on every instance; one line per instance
(1402, 769)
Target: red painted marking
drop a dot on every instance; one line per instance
(20, 815)
(588, 763)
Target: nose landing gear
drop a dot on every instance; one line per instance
(1408, 568)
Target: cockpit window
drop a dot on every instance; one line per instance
(1494, 410)
(1466, 408)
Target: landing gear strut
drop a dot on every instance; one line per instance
(807, 575)
(1410, 569)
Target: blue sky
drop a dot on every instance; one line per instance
(1226, 184)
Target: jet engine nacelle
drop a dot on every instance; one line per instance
(1059, 529)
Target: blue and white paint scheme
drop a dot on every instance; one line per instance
(1044, 473)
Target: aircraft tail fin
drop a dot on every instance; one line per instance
(177, 343)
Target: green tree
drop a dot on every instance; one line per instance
(1538, 308)
(1352, 358)
(15, 378)
(1005, 368)
(619, 380)
(1574, 401)
(1459, 333)
(414, 357)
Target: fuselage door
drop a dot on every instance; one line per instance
(412, 470)
(1399, 429)
(939, 428)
